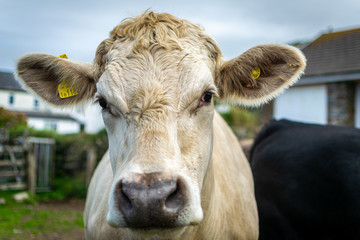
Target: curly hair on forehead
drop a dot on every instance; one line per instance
(153, 26)
(151, 31)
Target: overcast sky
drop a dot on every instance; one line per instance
(76, 27)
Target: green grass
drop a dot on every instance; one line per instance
(22, 220)
(65, 188)
(19, 221)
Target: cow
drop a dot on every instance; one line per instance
(174, 169)
(307, 181)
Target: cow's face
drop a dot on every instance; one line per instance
(155, 79)
(158, 110)
(158, 113)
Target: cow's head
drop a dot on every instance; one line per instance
(155, 78)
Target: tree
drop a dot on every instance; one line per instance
(10, 119)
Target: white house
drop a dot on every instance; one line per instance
(329, 92)
(42, 116)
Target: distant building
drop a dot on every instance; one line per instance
(329, 92)
(42, 116)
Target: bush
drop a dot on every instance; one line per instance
(70, 159)
(10, 119)
(66, 188)
(244, 122)
(70, 149)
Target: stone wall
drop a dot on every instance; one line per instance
(267, 112)
(341, 99)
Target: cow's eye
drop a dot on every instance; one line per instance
(206, 97)
(103, 103)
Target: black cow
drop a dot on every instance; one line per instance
(307, 181)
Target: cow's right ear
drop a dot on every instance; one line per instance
(43, 73)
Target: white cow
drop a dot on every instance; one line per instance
(174, 169)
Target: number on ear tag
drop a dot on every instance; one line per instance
(65, 90)
(256, 72)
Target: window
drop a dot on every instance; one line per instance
(36, 104)
(11, 99)
(51, 125)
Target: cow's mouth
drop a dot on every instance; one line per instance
(162, 233)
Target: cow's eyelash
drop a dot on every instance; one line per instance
(97, 97)
(214, 91)
(209, 92)
(103, 103)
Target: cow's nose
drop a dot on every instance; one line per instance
(151, 200)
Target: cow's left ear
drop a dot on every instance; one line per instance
(259, 74)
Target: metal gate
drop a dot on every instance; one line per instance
(12, 167)
(41, 152)
(33, 162)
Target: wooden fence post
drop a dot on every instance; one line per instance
(90, 164)
(31, 170)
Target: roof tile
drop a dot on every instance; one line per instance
(8, 82)
(333, 53)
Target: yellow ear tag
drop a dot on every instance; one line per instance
(63, 56)
(66, 91)
(64, 88)
(256, 72)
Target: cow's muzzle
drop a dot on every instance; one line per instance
(152, 200)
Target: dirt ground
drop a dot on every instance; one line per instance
(74, 234)
(71, 205)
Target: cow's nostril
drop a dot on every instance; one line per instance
(123, 197)
(175, 200)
